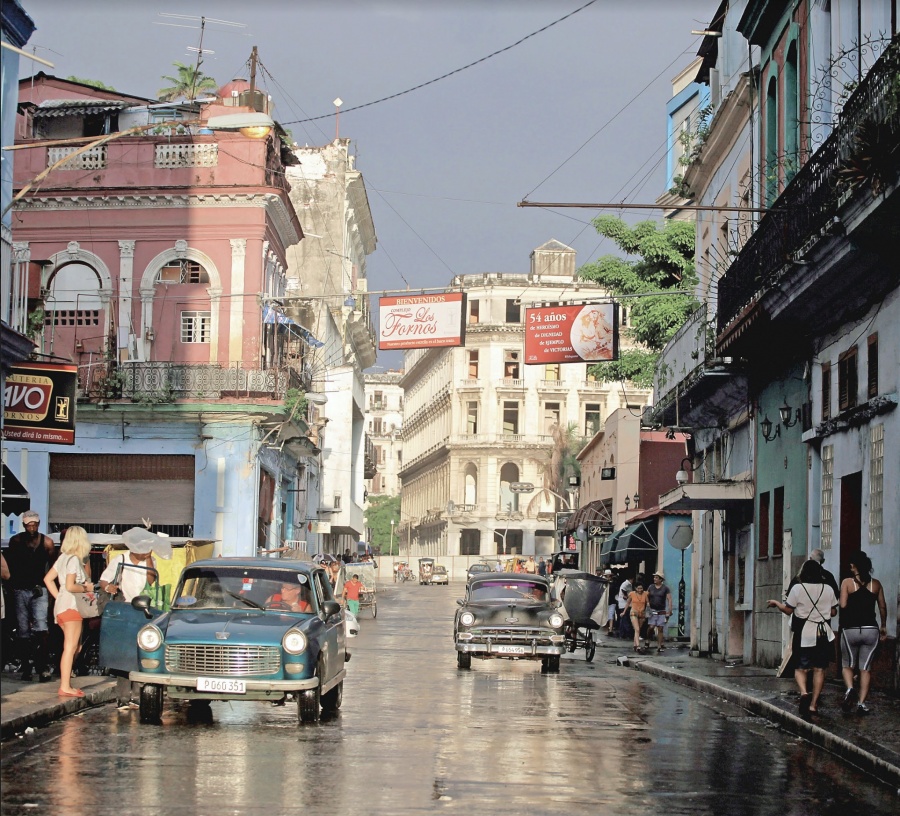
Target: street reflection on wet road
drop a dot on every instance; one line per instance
(416, 735)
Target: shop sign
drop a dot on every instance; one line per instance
(39, 403)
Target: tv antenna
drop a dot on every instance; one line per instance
(199, 50)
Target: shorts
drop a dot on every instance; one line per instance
(656, 619)
(815, 657)
(611, 613)
(68, 615)
(858, 647)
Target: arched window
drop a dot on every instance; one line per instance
(509, 473)
(791, 115)
(182, 270)
(73, 297)
(471, 496)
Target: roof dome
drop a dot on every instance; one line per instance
(233, 88)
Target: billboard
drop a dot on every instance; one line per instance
(422, 321)
(39, 403)
(564, 333)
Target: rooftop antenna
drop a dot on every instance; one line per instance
(200, 52)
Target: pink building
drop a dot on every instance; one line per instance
(153, 261)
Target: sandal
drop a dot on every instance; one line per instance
(73, 693)
(805, 702)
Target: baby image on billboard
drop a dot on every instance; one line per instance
(564, 333)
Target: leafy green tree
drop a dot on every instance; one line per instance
(381, 511)
(190, 83)
(665, 262)
(94, 83)
(560, 464)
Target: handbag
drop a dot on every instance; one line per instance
(85, 602)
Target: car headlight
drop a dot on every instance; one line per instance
(556, 620)
(294, 642)
(466, 619)
(150, 638)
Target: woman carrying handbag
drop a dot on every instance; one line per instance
(65, 581)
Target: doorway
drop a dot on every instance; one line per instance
(850, 520)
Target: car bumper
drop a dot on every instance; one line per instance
(184, 686)
(531, 650)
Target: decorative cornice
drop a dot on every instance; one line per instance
(271, 202)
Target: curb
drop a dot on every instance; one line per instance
(881, 769)
(44, 715)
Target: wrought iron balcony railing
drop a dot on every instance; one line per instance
(865, 136)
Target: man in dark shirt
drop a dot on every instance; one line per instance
(660, 602)
(29, 556)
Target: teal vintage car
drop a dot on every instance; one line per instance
(238, 629)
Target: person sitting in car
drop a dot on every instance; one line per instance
(293, 597)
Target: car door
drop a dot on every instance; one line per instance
(119, 627)
(333, 632)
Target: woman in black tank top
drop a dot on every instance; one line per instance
(860, 633)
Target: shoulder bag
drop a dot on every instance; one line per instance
(85, 602)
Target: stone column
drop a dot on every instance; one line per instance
(236, 323)
(126, 282)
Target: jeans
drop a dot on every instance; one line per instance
(31, 612)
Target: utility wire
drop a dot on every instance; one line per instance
(448, 74)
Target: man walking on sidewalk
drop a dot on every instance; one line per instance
(660, 609)
(29, 556)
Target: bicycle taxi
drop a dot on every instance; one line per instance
(367, 595)
(584, 603)
(426, 570)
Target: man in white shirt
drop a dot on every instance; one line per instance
(138, 570)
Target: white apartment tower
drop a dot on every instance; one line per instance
(477, 419)
(384, 425)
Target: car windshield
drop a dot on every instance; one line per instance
(243, 588)
(512, 589)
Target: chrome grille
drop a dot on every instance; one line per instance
(524, 635)
(223, 660)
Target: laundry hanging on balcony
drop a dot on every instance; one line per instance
(272, 316)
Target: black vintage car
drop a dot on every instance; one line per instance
(509, 615)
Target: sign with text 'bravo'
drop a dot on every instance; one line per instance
(39, 403)
(422, 321)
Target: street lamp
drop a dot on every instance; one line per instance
(391, 545)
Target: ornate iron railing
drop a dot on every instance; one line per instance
(808, 204)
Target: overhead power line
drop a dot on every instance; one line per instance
(449, 73)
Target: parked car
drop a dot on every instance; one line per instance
(440, 575)
(239, 629)
(511, 616)
(477, 568)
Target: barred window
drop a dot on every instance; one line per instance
(72, 317)
(827, 494)
(848, 382)
(876, 484)
(182, 271)
(196, 327)
(826, 391)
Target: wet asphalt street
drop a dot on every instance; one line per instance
(416, 735)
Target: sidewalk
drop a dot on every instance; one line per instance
(871, 743)
(32, 704)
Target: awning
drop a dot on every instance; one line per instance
(13, 496)
(273, 316)
(708, 496)
(609, 547)
(591, 513)
(78, 107)
(634, 543)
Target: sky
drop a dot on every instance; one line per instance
(571, 113)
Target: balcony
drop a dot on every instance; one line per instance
(693, 387)
(496, 440)
(156, 383)
(808, 265)
(370, 466)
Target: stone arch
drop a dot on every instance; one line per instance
(181, 250)
(470, 477)
(72, 255)
(509, 473)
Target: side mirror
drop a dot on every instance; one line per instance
(460, 602)
(331, 608)
(143, 603)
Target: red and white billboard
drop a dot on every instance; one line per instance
(39, 403)
(422, 321)
(564, 333)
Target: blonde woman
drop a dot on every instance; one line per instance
(65, 579)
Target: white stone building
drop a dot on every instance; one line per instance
(384, 425)
(477, 419)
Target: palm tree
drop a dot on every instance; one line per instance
(190, 83)
(561, 463)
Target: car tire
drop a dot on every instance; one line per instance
(331, 700)
(552, 664)
(151, 703)
(463, 660)
(309, 702)
(589, 647)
